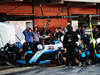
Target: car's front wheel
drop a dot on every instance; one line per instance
(58, 57)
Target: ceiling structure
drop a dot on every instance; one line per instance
(48, 2)
(44, 2)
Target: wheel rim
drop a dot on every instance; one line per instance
(60, 60)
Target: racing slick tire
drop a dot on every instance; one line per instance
(58, 57)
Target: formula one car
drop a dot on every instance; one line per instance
(49, 53)
(45, 54)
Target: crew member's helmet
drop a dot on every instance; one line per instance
(79, 36)
(2, 48)
(98, 40)
(77, 44)
(93, 41)
(11, 43)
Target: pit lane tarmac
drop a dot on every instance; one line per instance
(56, 70)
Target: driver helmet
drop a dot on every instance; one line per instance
(40, 47)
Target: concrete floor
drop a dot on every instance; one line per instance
(57, 70)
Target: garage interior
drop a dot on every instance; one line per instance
(23, 13)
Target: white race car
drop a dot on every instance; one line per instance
(48, 53)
